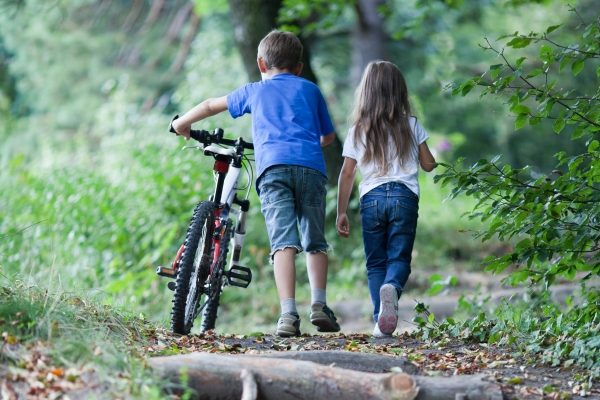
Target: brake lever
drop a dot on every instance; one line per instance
(199, 147)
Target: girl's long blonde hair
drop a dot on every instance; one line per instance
(381, 112)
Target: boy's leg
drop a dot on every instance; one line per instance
(277, 205)
(285, 280)
(317, 264)
(310, 199)
(285, 276)
(321, 315)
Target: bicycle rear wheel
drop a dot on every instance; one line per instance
(194, 268)
(215, 282)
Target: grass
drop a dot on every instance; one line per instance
(70, 332)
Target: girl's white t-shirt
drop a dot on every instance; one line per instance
(371, 175)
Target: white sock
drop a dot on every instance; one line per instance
(288, 306)
(318, 296)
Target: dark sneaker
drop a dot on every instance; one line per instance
(288, 325)
(323, 318)
(388, 310)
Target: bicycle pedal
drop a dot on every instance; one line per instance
(166, 272)
(239, 276)
(171, 286)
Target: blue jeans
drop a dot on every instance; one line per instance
(389, 222)
(293, 196)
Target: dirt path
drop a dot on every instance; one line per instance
(517, 378)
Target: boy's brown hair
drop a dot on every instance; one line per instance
(281, 50)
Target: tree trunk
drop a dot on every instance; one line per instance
(252, 20)
(368, 37)
(216, 376)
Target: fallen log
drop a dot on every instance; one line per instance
(363, 362)
(218, 376)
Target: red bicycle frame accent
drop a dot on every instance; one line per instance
(216, 238)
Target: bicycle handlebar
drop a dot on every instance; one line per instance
(207, 138)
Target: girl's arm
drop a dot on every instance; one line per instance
(207, 108)
(345, 182)
(426, 159)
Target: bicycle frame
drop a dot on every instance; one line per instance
(228, 167)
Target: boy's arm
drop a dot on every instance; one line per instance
(426, 159)
(327, 139)
(207, 108)
(345, 182)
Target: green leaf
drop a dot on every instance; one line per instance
(559, 125)
(521, 121)
(495, 70)
(519, 42)
(546, 53)
(467, 87)
(577, 67)
(520, 109)
(553, 28)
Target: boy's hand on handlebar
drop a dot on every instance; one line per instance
(181, 129)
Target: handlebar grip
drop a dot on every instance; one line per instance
(171, 129)
(198, 135)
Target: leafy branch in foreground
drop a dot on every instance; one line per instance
(554, 217)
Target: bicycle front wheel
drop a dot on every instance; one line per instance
(194, 268)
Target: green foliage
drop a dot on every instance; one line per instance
(554, 217)
(312, 16)
(534, 325)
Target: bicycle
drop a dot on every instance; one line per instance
(199, 267)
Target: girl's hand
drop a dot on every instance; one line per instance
(343, 225)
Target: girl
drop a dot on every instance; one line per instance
(387, 144)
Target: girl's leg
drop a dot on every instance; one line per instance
(374, 226)
(403, 207)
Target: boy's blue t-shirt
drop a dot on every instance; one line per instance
(289, 115)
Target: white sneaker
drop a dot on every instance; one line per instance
(388, 309)
(378, 334)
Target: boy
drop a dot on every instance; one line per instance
(290, 124)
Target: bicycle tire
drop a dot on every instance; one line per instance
(194, 268)
(209, 315)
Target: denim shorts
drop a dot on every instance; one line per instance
(292, 201)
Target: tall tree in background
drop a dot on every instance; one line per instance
(368, 36)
